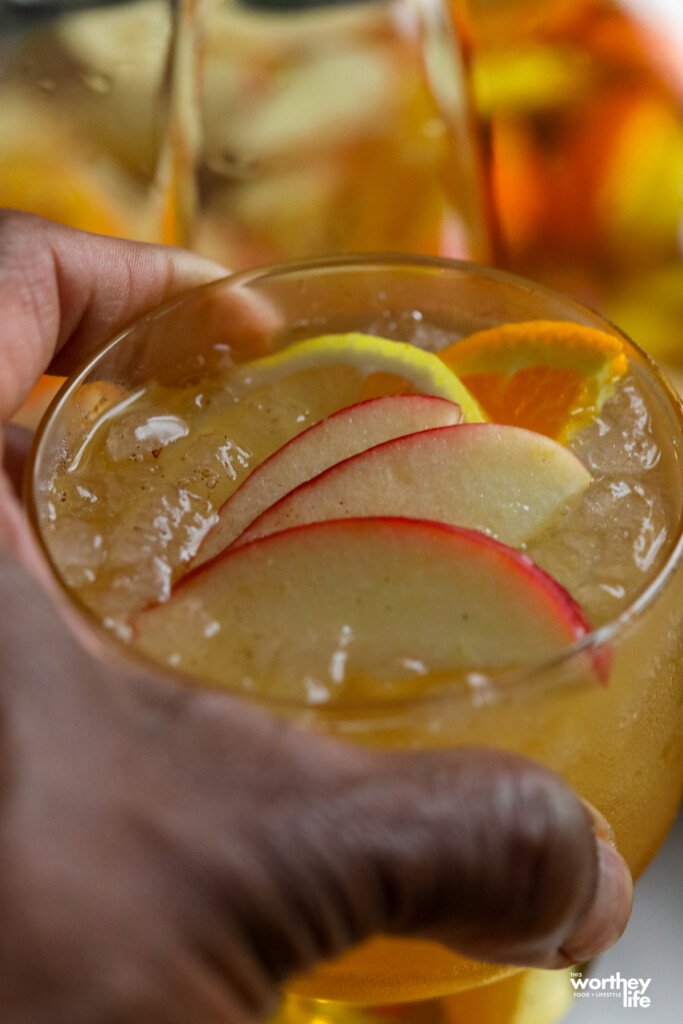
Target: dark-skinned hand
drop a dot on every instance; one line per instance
(171, 856)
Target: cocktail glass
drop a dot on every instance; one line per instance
(617, 743)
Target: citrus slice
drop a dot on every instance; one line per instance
(361, 366)
(551, 377)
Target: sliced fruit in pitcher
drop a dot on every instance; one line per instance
(552, 377)
(301, 613)
(337, 437)
(508, 482)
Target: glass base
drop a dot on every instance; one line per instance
(527, 997)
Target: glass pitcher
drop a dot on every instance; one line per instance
(248, 130)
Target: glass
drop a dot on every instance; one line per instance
(579, 108)
(83, 114)
(249, 132)
(246, 130)
(544, 136)
(332, 128)
(617, 744)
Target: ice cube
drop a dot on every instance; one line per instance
(77, 548)
(143, 433)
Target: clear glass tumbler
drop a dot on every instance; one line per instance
(122, 475)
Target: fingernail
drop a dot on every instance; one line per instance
(610, 911)
(601, 826)
(198, 268)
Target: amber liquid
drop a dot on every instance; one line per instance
(131, 493)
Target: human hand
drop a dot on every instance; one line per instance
(173, 855)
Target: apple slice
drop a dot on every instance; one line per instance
(509, 482)
(338, 437)
(376, 604)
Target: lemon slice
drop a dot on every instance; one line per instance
(550, 377)
(361, 366)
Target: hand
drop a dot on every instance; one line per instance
(173, 855)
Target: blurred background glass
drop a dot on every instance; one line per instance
(579, 113)
(80, 110)
(545, 136)
(249, 132)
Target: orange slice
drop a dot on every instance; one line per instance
(551, 377)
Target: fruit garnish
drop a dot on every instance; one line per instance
(508, 482)
(394, 603)
(551, 377)
(375, 366)
(331, 440)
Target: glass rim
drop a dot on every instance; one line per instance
(497, 686)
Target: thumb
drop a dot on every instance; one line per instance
(487, 852)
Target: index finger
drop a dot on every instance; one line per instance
(59, 286)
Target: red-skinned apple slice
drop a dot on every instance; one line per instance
(506, 481)
(373, 602)
(337, 437)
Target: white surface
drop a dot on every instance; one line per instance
(666, 14)
(652, 946)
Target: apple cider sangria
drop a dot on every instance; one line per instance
(410, 502)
